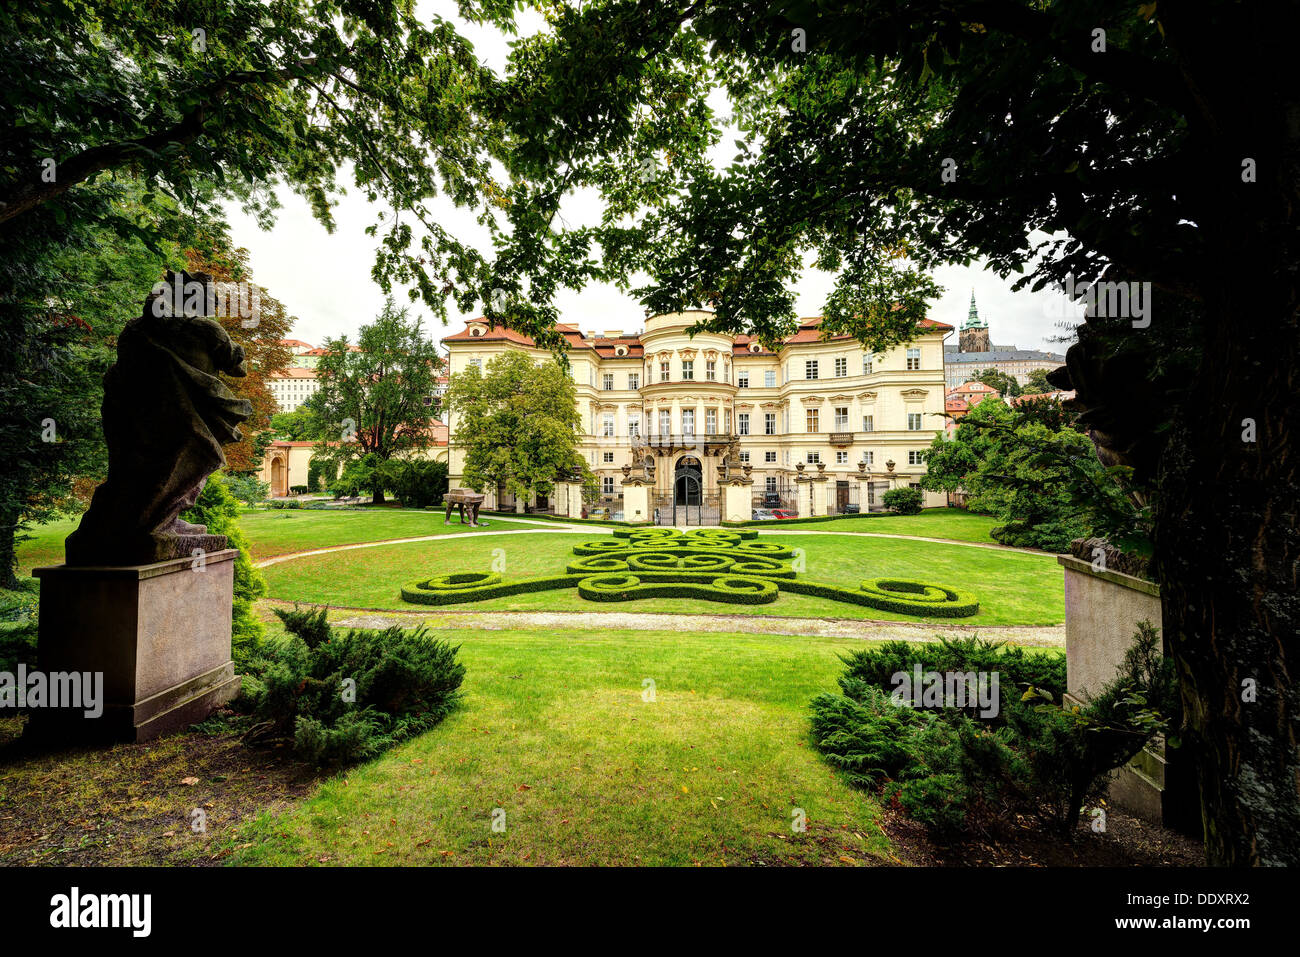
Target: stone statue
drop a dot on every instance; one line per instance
(166, 414)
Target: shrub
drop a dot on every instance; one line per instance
(298, 489)
(217, 509)
(246, 488)
(942, 766)
(349, 697)
(321, 472)
(904, 501)
(417, 482)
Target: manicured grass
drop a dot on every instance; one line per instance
(280, 531)
(1012, 588)
(953, 523)
(554, 731)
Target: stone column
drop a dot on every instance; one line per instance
(738, 500)
(803, 493)
(575, 499)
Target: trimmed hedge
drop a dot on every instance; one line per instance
(712, 564)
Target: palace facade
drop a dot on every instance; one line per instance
(686, 411)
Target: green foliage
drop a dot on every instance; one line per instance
(519, 423)
(246, 488)
(376, 397)
(321, 472)
(1006, 385)
(300, 425)
(947, 767)
(217, 509)
(903, 501)
(362, 475)
(1032, 469)
(416, 482)
(349, 697)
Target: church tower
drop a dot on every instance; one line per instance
(974, 334)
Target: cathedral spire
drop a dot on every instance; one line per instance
(973, 317)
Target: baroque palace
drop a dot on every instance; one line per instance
(684, 414)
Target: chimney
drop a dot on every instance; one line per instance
(613, 333)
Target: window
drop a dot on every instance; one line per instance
(812, 421)
(841, 367)
(744, 458)
(868, 423)
(810, 369)
(842, 418)
(609, 424)
(841, 458)
(634, 380)
(866, 365)
(914, 421)
(915, 485)
(742, 418)
(476, 362)
(663, 371)
(769, 458)
(771, 483)
(688, 370)
(711, 370)
(914, 457)
(609, 458)
(607, 382)
(710, 421)
(769, 423)
(814, 458)
(869, 458)
(742, 379)
(913, 359)
(633, 424)
(769, 379)
(665, 422)
(688, 421)
(607, 485)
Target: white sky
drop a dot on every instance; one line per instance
(324, 280)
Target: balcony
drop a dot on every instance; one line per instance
(841, 438)
(689, 440)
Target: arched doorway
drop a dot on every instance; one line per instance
(279, 478)
(688, 491)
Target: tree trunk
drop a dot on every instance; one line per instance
(1228, 562)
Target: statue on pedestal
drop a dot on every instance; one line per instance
(166, 415)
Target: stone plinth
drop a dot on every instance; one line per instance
(738, 500)
(636, 501)
(803, 495)
(574, 496)
(1102, 611)
(159, 633)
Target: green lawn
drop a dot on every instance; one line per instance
(1013, 588)
(553, 730)
(279, 531)
(951, 523)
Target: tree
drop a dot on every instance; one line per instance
(904, 501)
(224, 99)
(376, 398)
(1030, 467)
(300, 425)
(1152, 151)
(1006, 385)
(518, 424)
(1037, 384)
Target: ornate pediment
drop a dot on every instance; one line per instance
(867, 396)
(914, 395)
(813, 399)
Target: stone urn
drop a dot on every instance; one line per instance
(821, 468)
(862, 468)
(799, 467)
(890, 465)
(627, 471)
(747, 468)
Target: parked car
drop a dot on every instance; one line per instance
(616, 516)
(601, 514)
(850, 509)
(763, 515)
(771, 500)
(784, 513)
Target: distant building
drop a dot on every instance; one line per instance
(975, 353)
(292, 387)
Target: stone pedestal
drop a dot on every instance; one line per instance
(575, 499)
(159, 634)
(1102, 611)
(803, 486)
(636, 501)
(738, 500)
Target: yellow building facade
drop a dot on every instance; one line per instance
(688, 412)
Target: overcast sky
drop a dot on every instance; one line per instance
(324, 280)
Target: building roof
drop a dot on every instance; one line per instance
(1058, 395)
(607, 346)
(972, 387)
(1002, 355)
(295, 343)
(294, 372)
